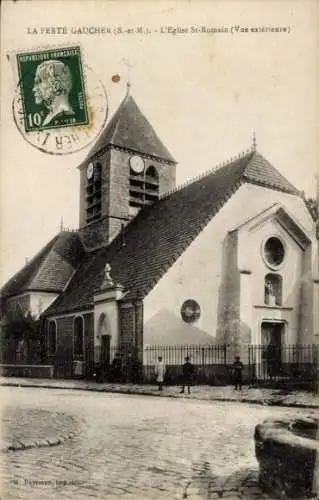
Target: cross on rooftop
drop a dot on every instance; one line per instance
(129, 65)
(254, 142)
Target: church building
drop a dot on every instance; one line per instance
(230, 257)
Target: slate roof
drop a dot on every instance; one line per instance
(130, 129)
(50, 269)
(160, 233)
(260, 171)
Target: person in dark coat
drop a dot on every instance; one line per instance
(271, 358)
(188, 372)
(116, 368)
(238, 373)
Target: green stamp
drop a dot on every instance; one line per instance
(52, 89)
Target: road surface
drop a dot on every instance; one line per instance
(134, 447)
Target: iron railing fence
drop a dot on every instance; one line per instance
(293, 366)
(24, 353)
(212, 363)
(286, 365)
(123, 364)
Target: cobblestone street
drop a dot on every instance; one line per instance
(134, 447)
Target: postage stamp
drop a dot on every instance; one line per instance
(52, 88)
(60, 105)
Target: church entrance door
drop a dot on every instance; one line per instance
(105, 349)
(104, 331)
(272, 334)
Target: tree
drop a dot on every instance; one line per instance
(313, 207)
(20, 326)
(21, 330)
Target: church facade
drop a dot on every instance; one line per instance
(229, 258)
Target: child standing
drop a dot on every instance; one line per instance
(160, 372)
(188, 371)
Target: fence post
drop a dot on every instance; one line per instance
(315, 358)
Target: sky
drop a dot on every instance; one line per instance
(204, 94)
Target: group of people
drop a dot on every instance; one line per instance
(132, 371)
(188, 370)
(120, 370)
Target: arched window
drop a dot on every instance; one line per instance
(273, 289)
(151, 184)
(52, 338)
(78, 337)
(104, 326)
(152, 174)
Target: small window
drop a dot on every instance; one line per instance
(274, 252)
(151, 174)
(273, 290)
(190, 311)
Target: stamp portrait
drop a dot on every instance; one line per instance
(52, 88)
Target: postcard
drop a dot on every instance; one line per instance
(159, 312)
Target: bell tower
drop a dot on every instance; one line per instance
(127, 170)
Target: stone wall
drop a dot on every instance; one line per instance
(288, 456)
(63, 359)
(127, 324)
(63, 363)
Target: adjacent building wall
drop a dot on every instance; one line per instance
(33, 302)
(63, 358)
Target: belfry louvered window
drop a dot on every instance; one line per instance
(93, 194)
(144, 187)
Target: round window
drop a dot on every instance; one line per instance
(190, 311)
(274, 251)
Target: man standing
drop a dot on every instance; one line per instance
(238, 370)
(188, 372)
(160, 372)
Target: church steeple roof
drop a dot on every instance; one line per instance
(131, 130)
